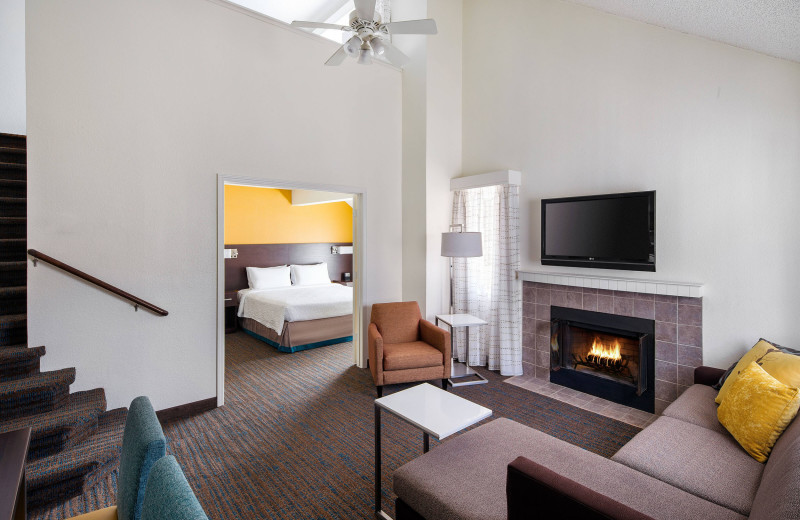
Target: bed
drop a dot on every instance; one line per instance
(298, 318)
(292, 318)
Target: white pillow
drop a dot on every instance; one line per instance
(310, 274)
(268, 277)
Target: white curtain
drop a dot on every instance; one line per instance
(487, 287)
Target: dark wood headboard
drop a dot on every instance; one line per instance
(268, 255)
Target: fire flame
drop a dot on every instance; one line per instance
(605, 353)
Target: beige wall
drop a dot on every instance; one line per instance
(135, 107)
(431, 147)
(584, 102)
(12, 66)
(415, 146)
(444, 142)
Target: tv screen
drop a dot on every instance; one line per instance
(615, 231)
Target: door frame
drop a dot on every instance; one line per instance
(359, 260)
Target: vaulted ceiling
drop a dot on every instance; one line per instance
(768, 26)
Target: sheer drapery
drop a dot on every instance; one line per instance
(487, 286)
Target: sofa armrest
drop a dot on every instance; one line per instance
(708, 376)
(533, 487)
(375, 345)
(436, 337)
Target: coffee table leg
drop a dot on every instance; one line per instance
(426, 442)
(466, 331)
(378, 462)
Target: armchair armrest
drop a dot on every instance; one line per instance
(533, 487)
(375, 345)
(435, 337)
(708, 376)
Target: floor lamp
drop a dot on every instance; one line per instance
(460, 244)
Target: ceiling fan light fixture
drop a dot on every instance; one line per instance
(365, 56)
(377, 46)
(352, 46)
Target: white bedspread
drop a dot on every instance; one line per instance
(271, 307)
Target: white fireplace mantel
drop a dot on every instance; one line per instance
(693, 290)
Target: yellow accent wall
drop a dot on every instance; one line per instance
(266, 216)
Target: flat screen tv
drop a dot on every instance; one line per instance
(614, 231)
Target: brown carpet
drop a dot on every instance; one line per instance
(295, 439)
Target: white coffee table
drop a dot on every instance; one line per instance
(434, 411)
(459, 370)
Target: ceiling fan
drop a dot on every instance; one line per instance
(371, 35)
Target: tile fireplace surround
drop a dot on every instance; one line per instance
(678, 328)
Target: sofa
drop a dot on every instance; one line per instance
(685, 465)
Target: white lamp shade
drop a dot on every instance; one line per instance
(462, 245)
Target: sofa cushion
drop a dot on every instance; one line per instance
(705, 463)
(696, 405)
(782, 363)
(415, 354)
(757, 410)
(465, 478)
(777, 497)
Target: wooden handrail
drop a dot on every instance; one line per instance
(137, 302)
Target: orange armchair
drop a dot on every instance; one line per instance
(404, 348)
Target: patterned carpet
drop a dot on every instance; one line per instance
(295, 439)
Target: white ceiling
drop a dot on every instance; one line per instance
(767, 26)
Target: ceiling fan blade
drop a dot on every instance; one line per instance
(394, 55)
(317, 25)
(426, 26)
(338, 57)
(365, 9)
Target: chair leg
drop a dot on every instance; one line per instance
(444, 384)
(380, 391)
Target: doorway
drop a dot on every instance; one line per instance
(357, 274)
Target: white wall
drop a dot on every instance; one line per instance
(134, 108)
(584, 102)
(431, 147)
(415, 113)
(12, 66)
(443, 158)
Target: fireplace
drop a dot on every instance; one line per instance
(605, 355)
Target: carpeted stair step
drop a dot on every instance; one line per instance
(12, 249)
(13, 140)
(13, 274)
(13, 300)
(12, 188)
(13, 227)
(13, 171)
(35, 394)
(63, 428)
(19, 361)
(77, 469)
(13, 329)
(13, 206)
(13, 155)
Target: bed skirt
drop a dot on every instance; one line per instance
(303, 335)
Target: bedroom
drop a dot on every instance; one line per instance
(289, 274)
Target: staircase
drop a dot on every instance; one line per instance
(75, 442)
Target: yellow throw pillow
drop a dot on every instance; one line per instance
(757, 409)
(780, 365)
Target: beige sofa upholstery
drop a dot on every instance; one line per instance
(683, 466)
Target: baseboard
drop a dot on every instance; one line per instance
(182, 411)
